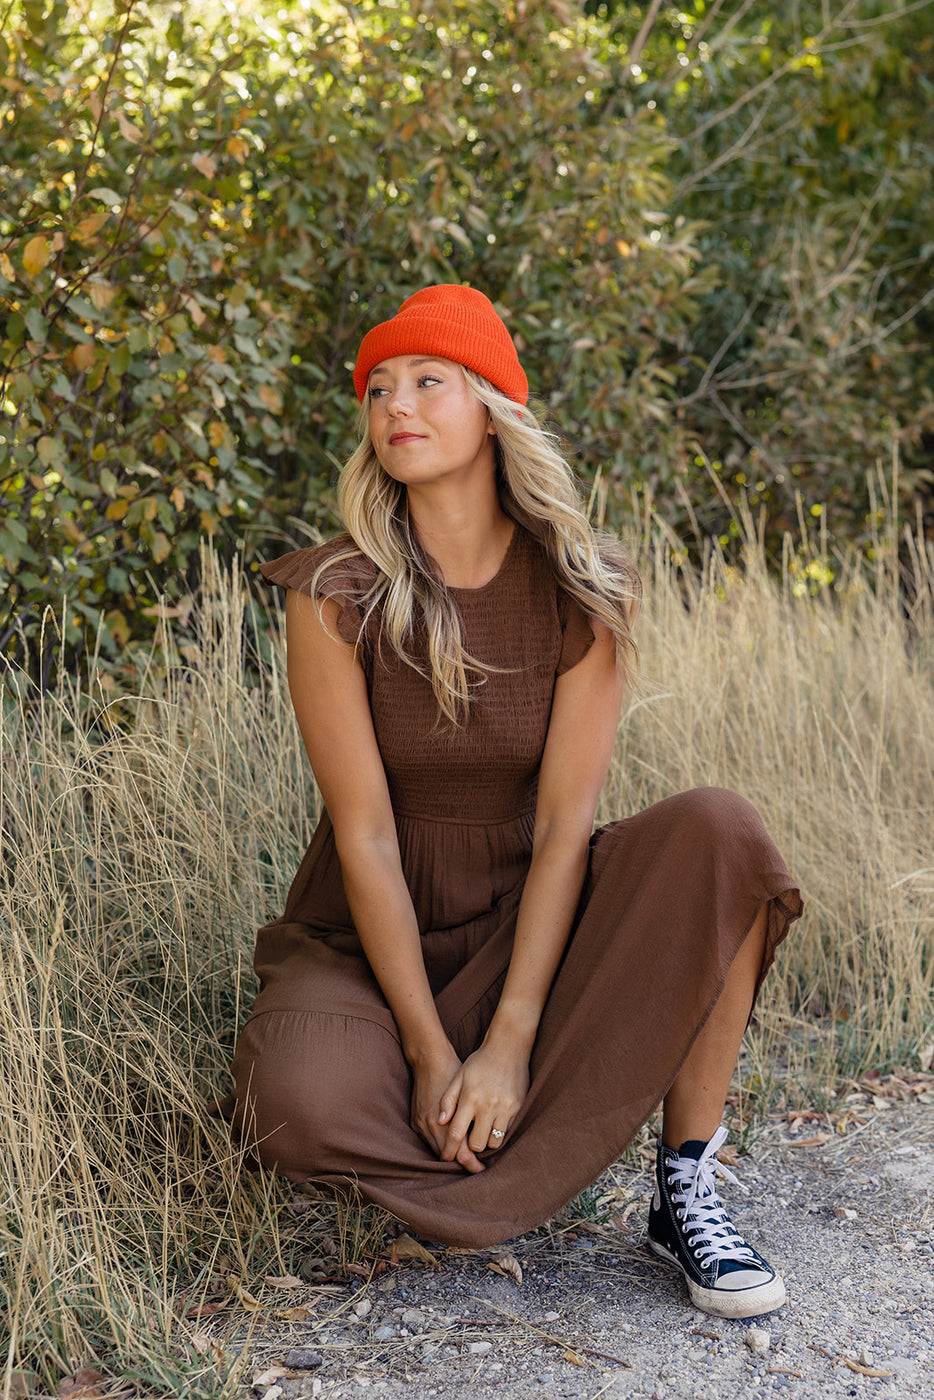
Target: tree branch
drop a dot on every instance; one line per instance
(638, 44)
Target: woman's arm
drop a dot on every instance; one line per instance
(329, 694)
(581, 733)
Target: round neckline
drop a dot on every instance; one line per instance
(503, 565)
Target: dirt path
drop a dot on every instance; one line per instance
(849, 1218)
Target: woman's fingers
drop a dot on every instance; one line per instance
(480, 1133)
(449, 1099)
(468, 1160)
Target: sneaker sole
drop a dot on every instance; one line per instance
(746, 1302)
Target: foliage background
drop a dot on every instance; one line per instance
(709, 231)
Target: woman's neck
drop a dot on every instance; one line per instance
(467, 540)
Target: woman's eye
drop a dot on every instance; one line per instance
(377, 392)
(428, 379)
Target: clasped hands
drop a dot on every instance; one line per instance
(462, 1109)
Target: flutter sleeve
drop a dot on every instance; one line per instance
(577, 634)
(346, 579)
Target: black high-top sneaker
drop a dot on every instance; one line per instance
(689, 1227)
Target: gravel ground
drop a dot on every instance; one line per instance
(843, 1205)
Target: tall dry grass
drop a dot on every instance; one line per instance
(144, 838)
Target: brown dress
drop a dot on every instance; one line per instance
(322, 1086)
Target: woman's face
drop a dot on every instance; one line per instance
(426, 423)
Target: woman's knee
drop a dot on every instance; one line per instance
(715, 813)
(306, 1103)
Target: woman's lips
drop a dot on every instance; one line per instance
(404, 437)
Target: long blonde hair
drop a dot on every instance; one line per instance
(537, 489)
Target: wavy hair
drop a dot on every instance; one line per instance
(537, 489)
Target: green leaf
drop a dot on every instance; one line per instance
(120, 359)
(36, 325)
(50, 451)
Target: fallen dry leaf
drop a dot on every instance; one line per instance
(507, 1265)
(817, 1140)
(843, 1121)
(243, 1297)
(573, 1357)
(303, 1313)
(404, 1247)
(316, 1271)
(208, 1346)
(283, 1281)
(200, 1310)
(360, 1271)
(269, 1376)
(83, 1385)
(728, 1156)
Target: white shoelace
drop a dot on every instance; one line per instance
(709, 1231)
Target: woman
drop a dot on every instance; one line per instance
(471, 1004)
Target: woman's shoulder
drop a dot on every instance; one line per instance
(334, 569)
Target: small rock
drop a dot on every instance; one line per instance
(363, 1308)
(302, 1359)
(865, 1356)
(384, 1334)
(480, 1348)
(545, 1378)
(845, 1213)
(413, 1318)
(758, 1339)
(552, 1316)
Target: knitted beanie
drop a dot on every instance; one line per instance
(454, 323)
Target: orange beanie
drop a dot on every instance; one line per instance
(454, 323)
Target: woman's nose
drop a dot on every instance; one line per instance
(398, 404)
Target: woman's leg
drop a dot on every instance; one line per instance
(693, 1106)
(688, 1224)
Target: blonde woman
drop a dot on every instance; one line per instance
(473, 1001)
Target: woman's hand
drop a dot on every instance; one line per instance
(434, 1078)
(481, 1101)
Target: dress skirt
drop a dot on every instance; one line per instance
(323, 1088)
